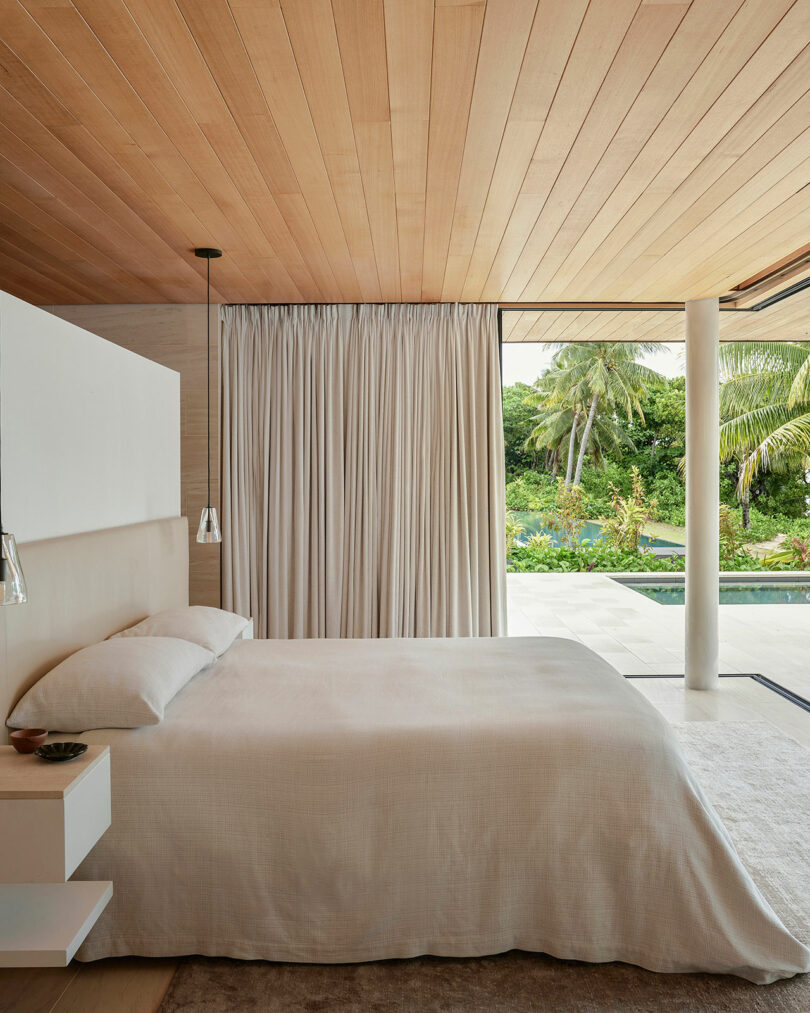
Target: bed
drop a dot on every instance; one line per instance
(341, 801)
(331, 801)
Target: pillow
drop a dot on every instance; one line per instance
(115, 684)
(211, 628)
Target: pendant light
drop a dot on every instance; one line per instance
(12, 581)
(208, 530)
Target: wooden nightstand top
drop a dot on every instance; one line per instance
(26, 776)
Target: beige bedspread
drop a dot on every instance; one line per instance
(337, 801)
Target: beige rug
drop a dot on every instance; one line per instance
(759, 781)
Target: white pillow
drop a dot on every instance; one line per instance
(211, 628)
(115, 684)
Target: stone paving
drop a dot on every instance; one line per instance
(639, 636)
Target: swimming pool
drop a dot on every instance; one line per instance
(732, 594)
(534, 524)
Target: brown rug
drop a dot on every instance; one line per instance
(759, 780)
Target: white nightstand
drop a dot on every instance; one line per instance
(51, 815)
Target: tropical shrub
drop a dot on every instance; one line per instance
(598, 557)
(568, 517)
(730, 534)
(630, 514)
(795, 552)
(588, 557)
(513, 529)
(533, 490)
(668, 491)
(599, 485)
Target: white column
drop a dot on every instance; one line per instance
(702, 494)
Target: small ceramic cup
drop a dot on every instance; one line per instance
(26, 740)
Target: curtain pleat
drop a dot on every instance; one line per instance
(363, 473)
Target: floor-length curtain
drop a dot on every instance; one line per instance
(362, 470)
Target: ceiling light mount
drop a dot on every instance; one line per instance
(207, 252)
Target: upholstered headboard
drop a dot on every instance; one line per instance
(82, 588)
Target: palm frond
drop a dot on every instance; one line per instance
(747, 391)
(756, 356)
(800, 389)
(789, 440)
(740, 435)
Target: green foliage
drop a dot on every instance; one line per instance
(601, 558)
(653, 441)
(663, 427)
(667, 489)
(765, 527)
(589, 557)
(730, 534)
(580, 397)
(765, 407)
(568, 517)
(513, 529)
(795, 552)
(780, 494)
(630, 513)
(599, 486)
(533, 490)
(517, 425)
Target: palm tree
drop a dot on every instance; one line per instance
(586, 377)
(765, 408)
(556, 426)
(557, 419)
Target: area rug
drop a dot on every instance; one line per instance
(759, 781)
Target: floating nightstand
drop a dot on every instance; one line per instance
(51, 815)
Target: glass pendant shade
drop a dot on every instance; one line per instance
(12, 580)
(208, 531)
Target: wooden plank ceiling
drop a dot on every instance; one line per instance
(365, 150)
(788, 320)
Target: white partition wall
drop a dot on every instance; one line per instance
(91, 431)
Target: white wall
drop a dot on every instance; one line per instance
(91, 431)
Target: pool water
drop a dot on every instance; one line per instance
(733, 594)
(533, 524)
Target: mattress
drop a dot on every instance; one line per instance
(353, 800)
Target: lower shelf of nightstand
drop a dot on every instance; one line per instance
(43, 924)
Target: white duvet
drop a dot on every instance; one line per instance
(339, 800)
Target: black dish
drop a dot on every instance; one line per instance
(58, 752)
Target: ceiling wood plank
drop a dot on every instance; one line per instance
(599, 38)
(313, 36)
(505, 36)
(456, 42)
(409, 50)
(682, 57)
(265, 38)
(403, 150)
(360, 26)
(747, 58)
(645, 42)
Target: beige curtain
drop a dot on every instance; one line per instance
(363, 477)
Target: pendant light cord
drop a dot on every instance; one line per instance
(1, 445)
(208, 369)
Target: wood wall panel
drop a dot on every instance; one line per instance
(175, 337)
(415, 150)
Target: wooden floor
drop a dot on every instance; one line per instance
(127, 985)
(134, 985)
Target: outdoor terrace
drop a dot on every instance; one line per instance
(642, 637)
